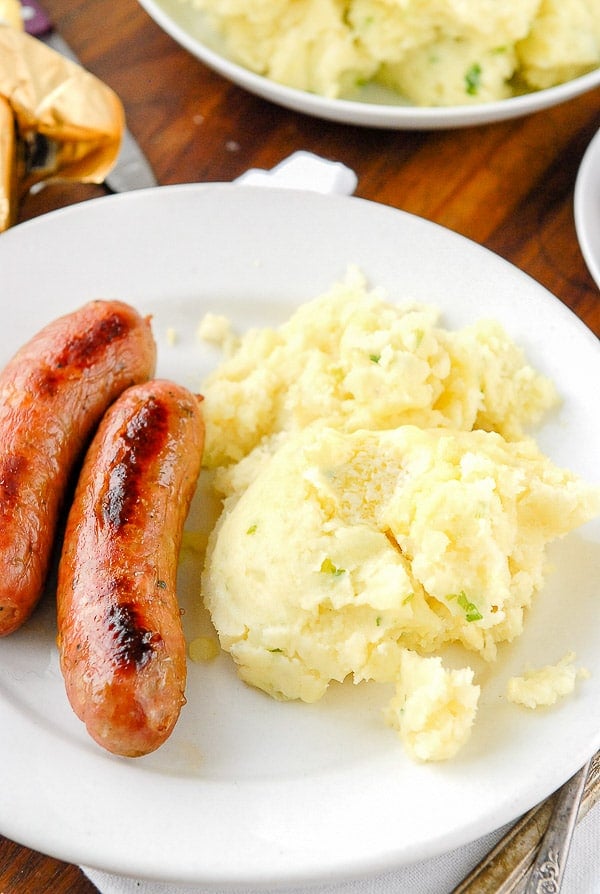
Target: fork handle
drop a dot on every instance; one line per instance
(548, 869)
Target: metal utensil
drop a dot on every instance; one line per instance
(551, 860)
(132, 169)
(506, 869)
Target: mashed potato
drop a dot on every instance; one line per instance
(434, 708)
(381, 503)
(352, 359)
(433, 52)
(349, 549)
(564, 42)
(545, 686)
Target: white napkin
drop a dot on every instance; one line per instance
(303, 170)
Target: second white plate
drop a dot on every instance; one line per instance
(587, 207)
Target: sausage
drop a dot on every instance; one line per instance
(52, 395)
(120, 636)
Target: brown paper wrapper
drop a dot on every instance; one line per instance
(57, 120)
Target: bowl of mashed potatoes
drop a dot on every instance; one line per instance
(386, 63)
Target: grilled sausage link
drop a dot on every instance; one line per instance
(120, 637)
(52, 395)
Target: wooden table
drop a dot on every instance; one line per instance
(508, 186)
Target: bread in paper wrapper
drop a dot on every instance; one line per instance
(57, 120)
(8, 166)
(10, 13)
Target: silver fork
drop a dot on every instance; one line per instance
(531, 856)
(551, 860)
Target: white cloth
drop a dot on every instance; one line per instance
(303, 170)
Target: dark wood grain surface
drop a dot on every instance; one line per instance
(508, 186)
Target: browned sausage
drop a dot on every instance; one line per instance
(52, 395)
(120, 637)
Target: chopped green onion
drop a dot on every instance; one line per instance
(471, 611)
(473, 79)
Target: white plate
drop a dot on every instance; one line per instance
(249, 791)
(376, 107)
(587, 207)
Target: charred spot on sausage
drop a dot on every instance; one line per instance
(132, 644)
(81, 350)
(143, 438)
